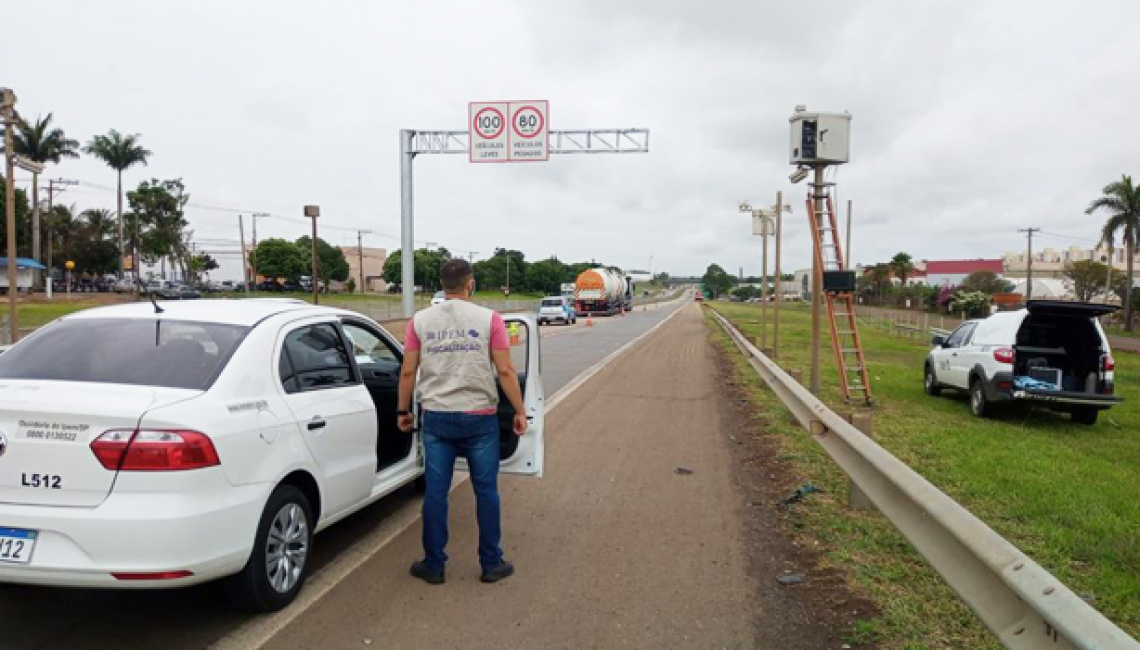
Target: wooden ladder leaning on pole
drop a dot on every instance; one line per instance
(840, 300)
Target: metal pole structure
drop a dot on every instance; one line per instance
(764, 284)
(244, 257)
(313, 212)
(407, 241)
(35, 217)
(779, 278)
(8, 113)
(817, 195)
(847, 247)
(1029, 262)
(360, 256)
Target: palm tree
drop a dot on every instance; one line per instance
(1121, 199)
(99, 223)
(902, 266)
(119, 152)
(43, 144)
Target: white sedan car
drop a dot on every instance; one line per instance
(145, 449)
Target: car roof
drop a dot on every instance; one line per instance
(229, 311)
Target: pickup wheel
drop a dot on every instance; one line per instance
(979, 405)
(1085, 415)
(929, 383)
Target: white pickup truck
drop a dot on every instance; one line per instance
(1051, 353)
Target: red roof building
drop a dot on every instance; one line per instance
(952, 272)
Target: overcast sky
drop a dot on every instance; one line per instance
(970, 119)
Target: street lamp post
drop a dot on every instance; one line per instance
(313, 211)
(8, 114)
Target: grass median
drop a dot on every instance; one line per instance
(1065, 493)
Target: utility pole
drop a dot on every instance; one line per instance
(253, 218)
(313, 211)
(8, 114)
(360, 255)
(52, 190)
(1029, 262)
(779, 278)
(818, 195)
(244, 257)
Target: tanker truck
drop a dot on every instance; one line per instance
(602, 291)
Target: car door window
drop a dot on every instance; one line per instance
(315, 357)
(959, 336)
(368, 346)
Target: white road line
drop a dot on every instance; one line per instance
(256, 632)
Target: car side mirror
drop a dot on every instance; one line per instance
(938, 341)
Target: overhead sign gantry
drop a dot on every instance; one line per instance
(508, 131)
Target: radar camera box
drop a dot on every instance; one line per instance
(820, 137)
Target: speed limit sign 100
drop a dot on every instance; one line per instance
(489, 123)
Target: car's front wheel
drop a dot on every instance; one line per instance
(979, 405)
(930, 384)
(278, 565)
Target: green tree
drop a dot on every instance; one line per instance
(1121, 200)
(99, 223)
(426, 266)
(157, 222)
(43, 144)
(901, 266)
(546, 276)
(987, 282)
(331, 264)
(278, 258)
(22, 211)
(974, 303)
(119, 152)
(717, 281)
(506, 269)
(1086, 278)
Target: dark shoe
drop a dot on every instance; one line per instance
(504, 570)
(429, 575)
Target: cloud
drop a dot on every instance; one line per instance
(969, 119)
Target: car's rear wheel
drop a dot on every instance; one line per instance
(1086, 415)
(278, 564)
(979, 405)
(929, 383)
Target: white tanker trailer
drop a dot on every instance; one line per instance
(602, 291)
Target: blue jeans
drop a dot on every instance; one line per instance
(446, 436)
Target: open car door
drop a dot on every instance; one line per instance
(523, 455)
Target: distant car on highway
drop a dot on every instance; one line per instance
(211, 441)
(1053, 354)
(178, 292)
(556, 309)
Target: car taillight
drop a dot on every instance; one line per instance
(154, 450)
(1003, 355)
(1107, 363)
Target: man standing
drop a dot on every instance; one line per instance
(459, 348)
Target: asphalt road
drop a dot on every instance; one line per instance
(614, 547)
(200, 617)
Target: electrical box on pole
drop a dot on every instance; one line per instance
(819, 138)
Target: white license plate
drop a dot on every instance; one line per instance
(16, 545)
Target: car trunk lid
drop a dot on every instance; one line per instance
(1062, 308)
(46, 430)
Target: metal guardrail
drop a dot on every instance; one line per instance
(1019, 601)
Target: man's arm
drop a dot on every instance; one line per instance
(407, 388)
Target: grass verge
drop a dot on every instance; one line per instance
(1064, 493)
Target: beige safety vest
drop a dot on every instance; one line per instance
(456, 373)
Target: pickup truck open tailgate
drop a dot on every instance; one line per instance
(1066, 397)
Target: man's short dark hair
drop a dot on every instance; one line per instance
(455, 274)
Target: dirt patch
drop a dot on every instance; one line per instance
(816, 609)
